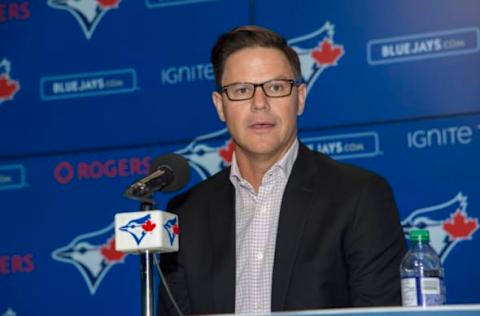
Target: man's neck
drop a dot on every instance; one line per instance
(253, 167)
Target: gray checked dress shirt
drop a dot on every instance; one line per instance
(256, 219)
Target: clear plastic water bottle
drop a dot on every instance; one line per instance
(421, 273)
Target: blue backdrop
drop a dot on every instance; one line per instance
(92, 90)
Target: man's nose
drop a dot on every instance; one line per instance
(259, 101)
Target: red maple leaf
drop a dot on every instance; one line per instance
(7, 87)
(226, 153)
(109, 252)
(108, 4)
(176, 229)
(149, 226)
(459, 226)
(326, 53)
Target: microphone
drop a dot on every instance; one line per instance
(167, 173)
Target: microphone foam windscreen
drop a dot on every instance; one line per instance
(179, 168)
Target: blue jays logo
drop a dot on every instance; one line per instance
(88, 13)
(93, 254)
(210, 153)
(172, 229)
(139, 227)
(448, 224)
(317, 51)
(8, 87)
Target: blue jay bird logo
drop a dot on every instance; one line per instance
(207, 154)
(448, 224)
(317, 51)
(93, 254)
(88, 13)
(172, 229)
(139, 227)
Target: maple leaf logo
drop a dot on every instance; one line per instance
(8, 87)
(172, 229)
(109, 252)
(226, 153)
(459, 226)
(326, 53)
(149, 226)
(108, 4)
(176, 229)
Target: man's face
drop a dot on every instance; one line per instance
(261, 126)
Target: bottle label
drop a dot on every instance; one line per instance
(426, 291)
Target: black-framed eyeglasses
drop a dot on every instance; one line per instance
(276, 88)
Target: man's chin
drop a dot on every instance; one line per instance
(264, 150)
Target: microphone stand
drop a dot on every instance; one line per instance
(161, 175)
(146, 270)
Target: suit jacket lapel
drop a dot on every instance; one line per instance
(294, 213)
(222, 230)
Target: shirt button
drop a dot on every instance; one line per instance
(263, 209)
(259, 255)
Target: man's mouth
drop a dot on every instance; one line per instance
(261, 125)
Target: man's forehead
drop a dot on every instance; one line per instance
(260, 62)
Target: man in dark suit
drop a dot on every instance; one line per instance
(283, 228)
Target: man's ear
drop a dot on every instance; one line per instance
(218, 102)
(302, 97)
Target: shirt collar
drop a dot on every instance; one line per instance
(285, 164)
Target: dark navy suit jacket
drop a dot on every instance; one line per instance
(339, 242)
